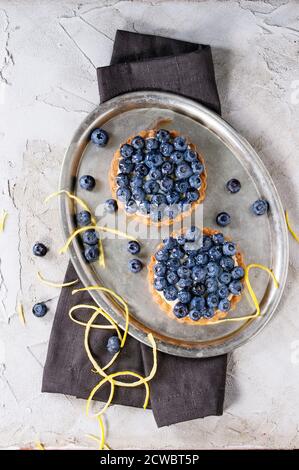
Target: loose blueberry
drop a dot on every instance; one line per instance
(111, 206)
(227, 263)
(40, 309)
(195, 181)
(99, 137)
(194, 315)
(135, 265)
(170, 293)
(238, 273)
(126, 150)
(233, 186)
(180, 143)
(163, 135)
(180, 310)
(229, 248)
(138, 142)
(83, 218)
(91, 253)
(90, 237)
(260, 207)
(113, 345)
(133, 247)
(224, 305)
(236, 287)
(223, 219)
(39, 249)
(87, 182)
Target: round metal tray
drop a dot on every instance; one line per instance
(262, 239)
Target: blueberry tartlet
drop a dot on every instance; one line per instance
(196, 277)
(158, 176)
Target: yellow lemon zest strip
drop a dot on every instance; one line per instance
(2, 220)
(102, 428)
(252, 294)
(117, 297)
(110, 362)
(20, 310)
(94, 227)
(55, 284)
(108, 401)
(78, 200)
(102, 255)
(294, 234)
(39, 446)
(98, 310)
(98, 440)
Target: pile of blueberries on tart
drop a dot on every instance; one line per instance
(158, 176)
(197, 277)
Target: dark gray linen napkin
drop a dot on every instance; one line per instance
(183, 389)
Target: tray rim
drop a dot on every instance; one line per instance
(188, 107)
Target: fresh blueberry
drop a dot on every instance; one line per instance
(184, 296)
(99, 137)
(161, 255)
(182, 186)
(87, 182)
(133, 247)
(158, 199)
(151, 144)
(260, 207)
(195, 181)
(126, 151)
(123, 180)
(184, 283)
(167, 168)
(215, 253)
(91, 253)
(154, 159)
(155, 174)
(229, 248)
(181, 240)
(233, 186)
(236, 287)
(177, 157)
(190, 156)
(138, 156)
(218, 238)
(192, 234)
(40, 309)
(184, 272)
(90, 237)
(151, 187)
(172, 197)
(197, 167)
(213, 269)
(163, 135)
(225, 278)
(166, 149)
(138, 142)
(212, 300)
(227, 263)
(170, 243)
(139, 194)
(199, 273)
(145, 207)
(113, 345)
(224, 305)
(223, 291)
(207, 243)
(141, 169)
(126, 166)
(211, 285)
(111, 205)
(166, 184)
(208, 313)
(237, 273)
(194, 315)
(198, 303)
(180, 310)
(190, 262)
(192, 196)
(135, 265)
(136, 182)
(198, 289)
(39, 249)
(123, 194)
(170, 293)
(173, 264)
(183, 171)
(160, 283)
(223, 219)
(180, 143)
(177, 253)
(202, 259)
(160, 269)
(83, 218)
(172, 277)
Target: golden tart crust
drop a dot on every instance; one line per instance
(167, 307)
(145, 219)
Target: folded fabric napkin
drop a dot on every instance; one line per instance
(183, 389)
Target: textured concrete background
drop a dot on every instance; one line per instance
(48, 54)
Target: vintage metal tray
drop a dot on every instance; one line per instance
(227, 154)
